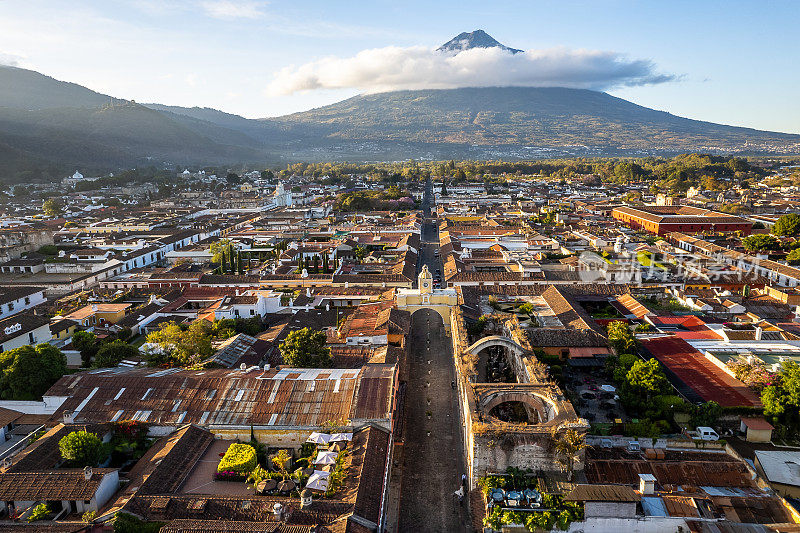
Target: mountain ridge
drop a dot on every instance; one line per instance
(513, 115)
(46, 123)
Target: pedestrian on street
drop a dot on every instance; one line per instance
(464, 480)
(460, 493)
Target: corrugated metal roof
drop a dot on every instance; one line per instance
(287, 397)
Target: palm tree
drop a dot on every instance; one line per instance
(568, 445)
(256, 476)
(281, 461)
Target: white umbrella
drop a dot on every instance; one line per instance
(338, 437)
(320, 473)
(319, 438)
(608, 388)
(325, 458)
(316, 482)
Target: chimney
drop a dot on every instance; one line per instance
(306, 499)
(759, 332)
(308, 292)
(277, 511)
(87, 473)
(647, 484)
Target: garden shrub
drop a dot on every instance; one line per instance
(40, 512)
(239, 458)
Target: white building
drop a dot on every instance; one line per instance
(23, 329)
(14, 300)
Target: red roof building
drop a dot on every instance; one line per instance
(702, 377)
(662, 220)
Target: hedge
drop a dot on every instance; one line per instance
(239, 458)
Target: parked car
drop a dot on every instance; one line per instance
(707, 433)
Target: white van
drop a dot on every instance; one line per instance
(707, 433)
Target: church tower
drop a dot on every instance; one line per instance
(425, 281)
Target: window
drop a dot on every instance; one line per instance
(27, 300)
(31, 338)
(10, 306)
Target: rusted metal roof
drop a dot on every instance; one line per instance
(287, 397)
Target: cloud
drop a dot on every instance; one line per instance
(233, 9)
(10, 60)
(418, 67)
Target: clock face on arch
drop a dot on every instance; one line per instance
(425, 284)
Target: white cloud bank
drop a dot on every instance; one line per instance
(418, 67)
(10, 60)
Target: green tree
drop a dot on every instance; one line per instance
(180, 346)
(113, 353)
(316, 264)
(27, 372)
(258, 475)
(217, 250)
(620, 336)
(240, 267)
(223, 328)
(647, 377)
(781, 400)
(707, 414)
(787, 225)
(81, 448)
(621, 365)
(793, 257)
(86, 343)
(51, 207)
(567, 446)
(281, 462)
(760, 243)
(305, 348)
(361, 253)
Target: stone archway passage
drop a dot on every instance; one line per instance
(442, 310)
(495, 340)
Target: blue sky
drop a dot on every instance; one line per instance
(732, 62)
